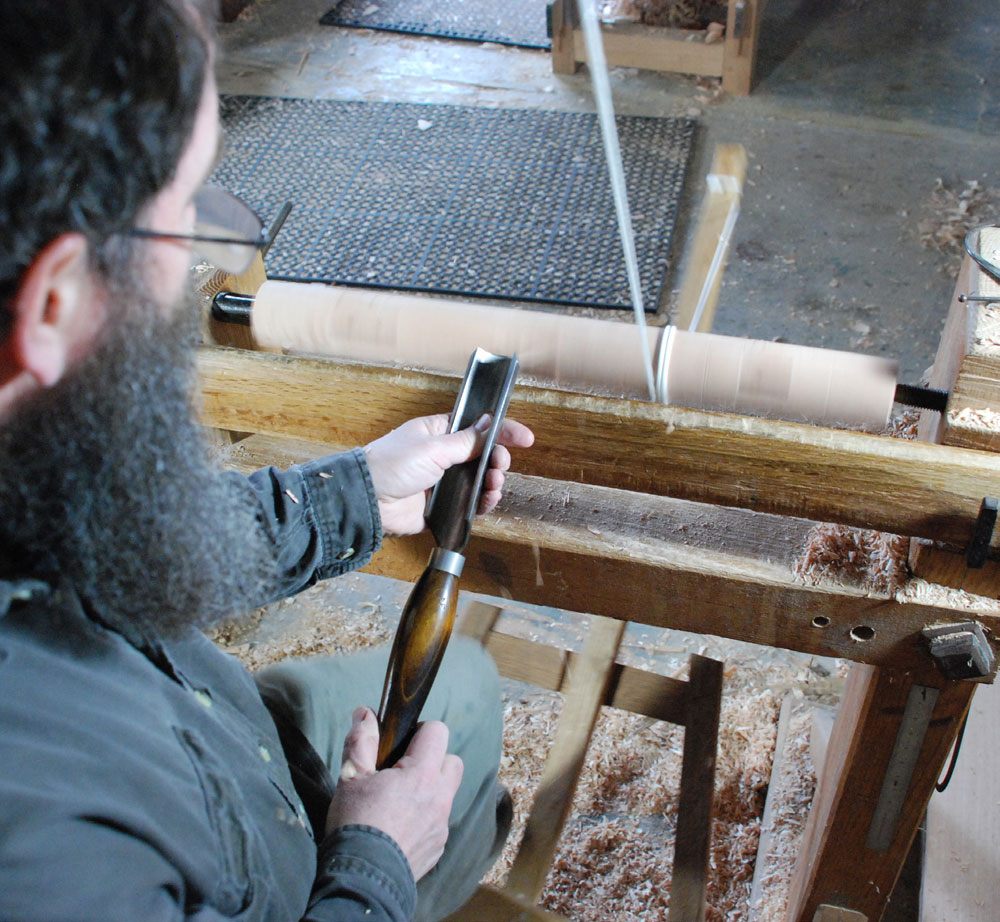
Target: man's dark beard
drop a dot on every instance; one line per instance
(109, 473)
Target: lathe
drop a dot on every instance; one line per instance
(591, 524)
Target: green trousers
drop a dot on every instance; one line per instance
(322, 694)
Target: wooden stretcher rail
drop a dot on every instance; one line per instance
(590, 680)
(544, 548)
(825, 475)
(629, 689)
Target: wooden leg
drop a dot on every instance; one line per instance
(704, 267)
(563, 55)
(694, 811)
(742, 31)
(585, 693)
(891, 739)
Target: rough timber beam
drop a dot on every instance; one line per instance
(622, 555)
(781, 468)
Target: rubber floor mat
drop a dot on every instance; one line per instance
(512, 22)
(499, 203)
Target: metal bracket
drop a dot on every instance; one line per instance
(961, 651)
(740, 20)
(982, 535)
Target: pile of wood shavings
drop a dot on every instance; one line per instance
(790, 795)
(872, 560)
(984, 418)
(921, 591)
(615, 857)
(669, 12)
(616, 853)
(954, 212)
(904, 426)
(310, 630)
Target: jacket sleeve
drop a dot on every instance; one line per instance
(362, 873)
(322, 518)
(107, 873)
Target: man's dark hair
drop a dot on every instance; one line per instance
(97, 101)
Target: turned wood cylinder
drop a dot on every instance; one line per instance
(697, 370)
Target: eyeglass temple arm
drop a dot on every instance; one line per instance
(276, 226)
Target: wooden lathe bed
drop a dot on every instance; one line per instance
(625, 473)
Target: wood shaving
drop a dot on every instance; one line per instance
(924, 593)
(987, 326)
(954, 211)
(874, 561)
(904, 426)
(791, 794)
(301, 626)
(983, 418)
(673, 13)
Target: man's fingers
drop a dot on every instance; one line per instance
(361, 745)
(515, 434)
(500, 459)
(451, 772)
(468, 443)
(435, 425)
(429, 744)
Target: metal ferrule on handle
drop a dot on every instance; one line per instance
(448, 561)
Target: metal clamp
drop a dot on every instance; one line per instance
(741, 20)
(982, 534)
(961, 651)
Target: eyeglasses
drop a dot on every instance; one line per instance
(227, 232)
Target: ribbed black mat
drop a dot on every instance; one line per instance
(510, 22)
(500, 203)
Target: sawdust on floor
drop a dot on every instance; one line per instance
(615, 856)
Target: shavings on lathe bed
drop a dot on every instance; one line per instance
(979, 418)
(872, 560)
(904, 426)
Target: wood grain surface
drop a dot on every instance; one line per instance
(821, 474)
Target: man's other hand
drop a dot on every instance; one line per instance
(411, 801)
(408, 461)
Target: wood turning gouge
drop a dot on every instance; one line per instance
(429, 614)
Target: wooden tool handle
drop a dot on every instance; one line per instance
(420, 642)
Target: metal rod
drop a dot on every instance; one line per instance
(963, 298)
(230, 307)
(276, 226)
(926, 398)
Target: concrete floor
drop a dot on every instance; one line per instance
(862, 110)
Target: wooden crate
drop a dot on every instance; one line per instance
(662, 49)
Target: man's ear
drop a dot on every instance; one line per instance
(55, 313)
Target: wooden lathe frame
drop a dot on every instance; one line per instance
(592, 522)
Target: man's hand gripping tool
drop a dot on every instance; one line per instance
(427, 619)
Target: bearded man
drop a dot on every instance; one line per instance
(144, 775)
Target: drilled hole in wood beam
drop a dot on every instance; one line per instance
(820, 621)
(862, 633)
